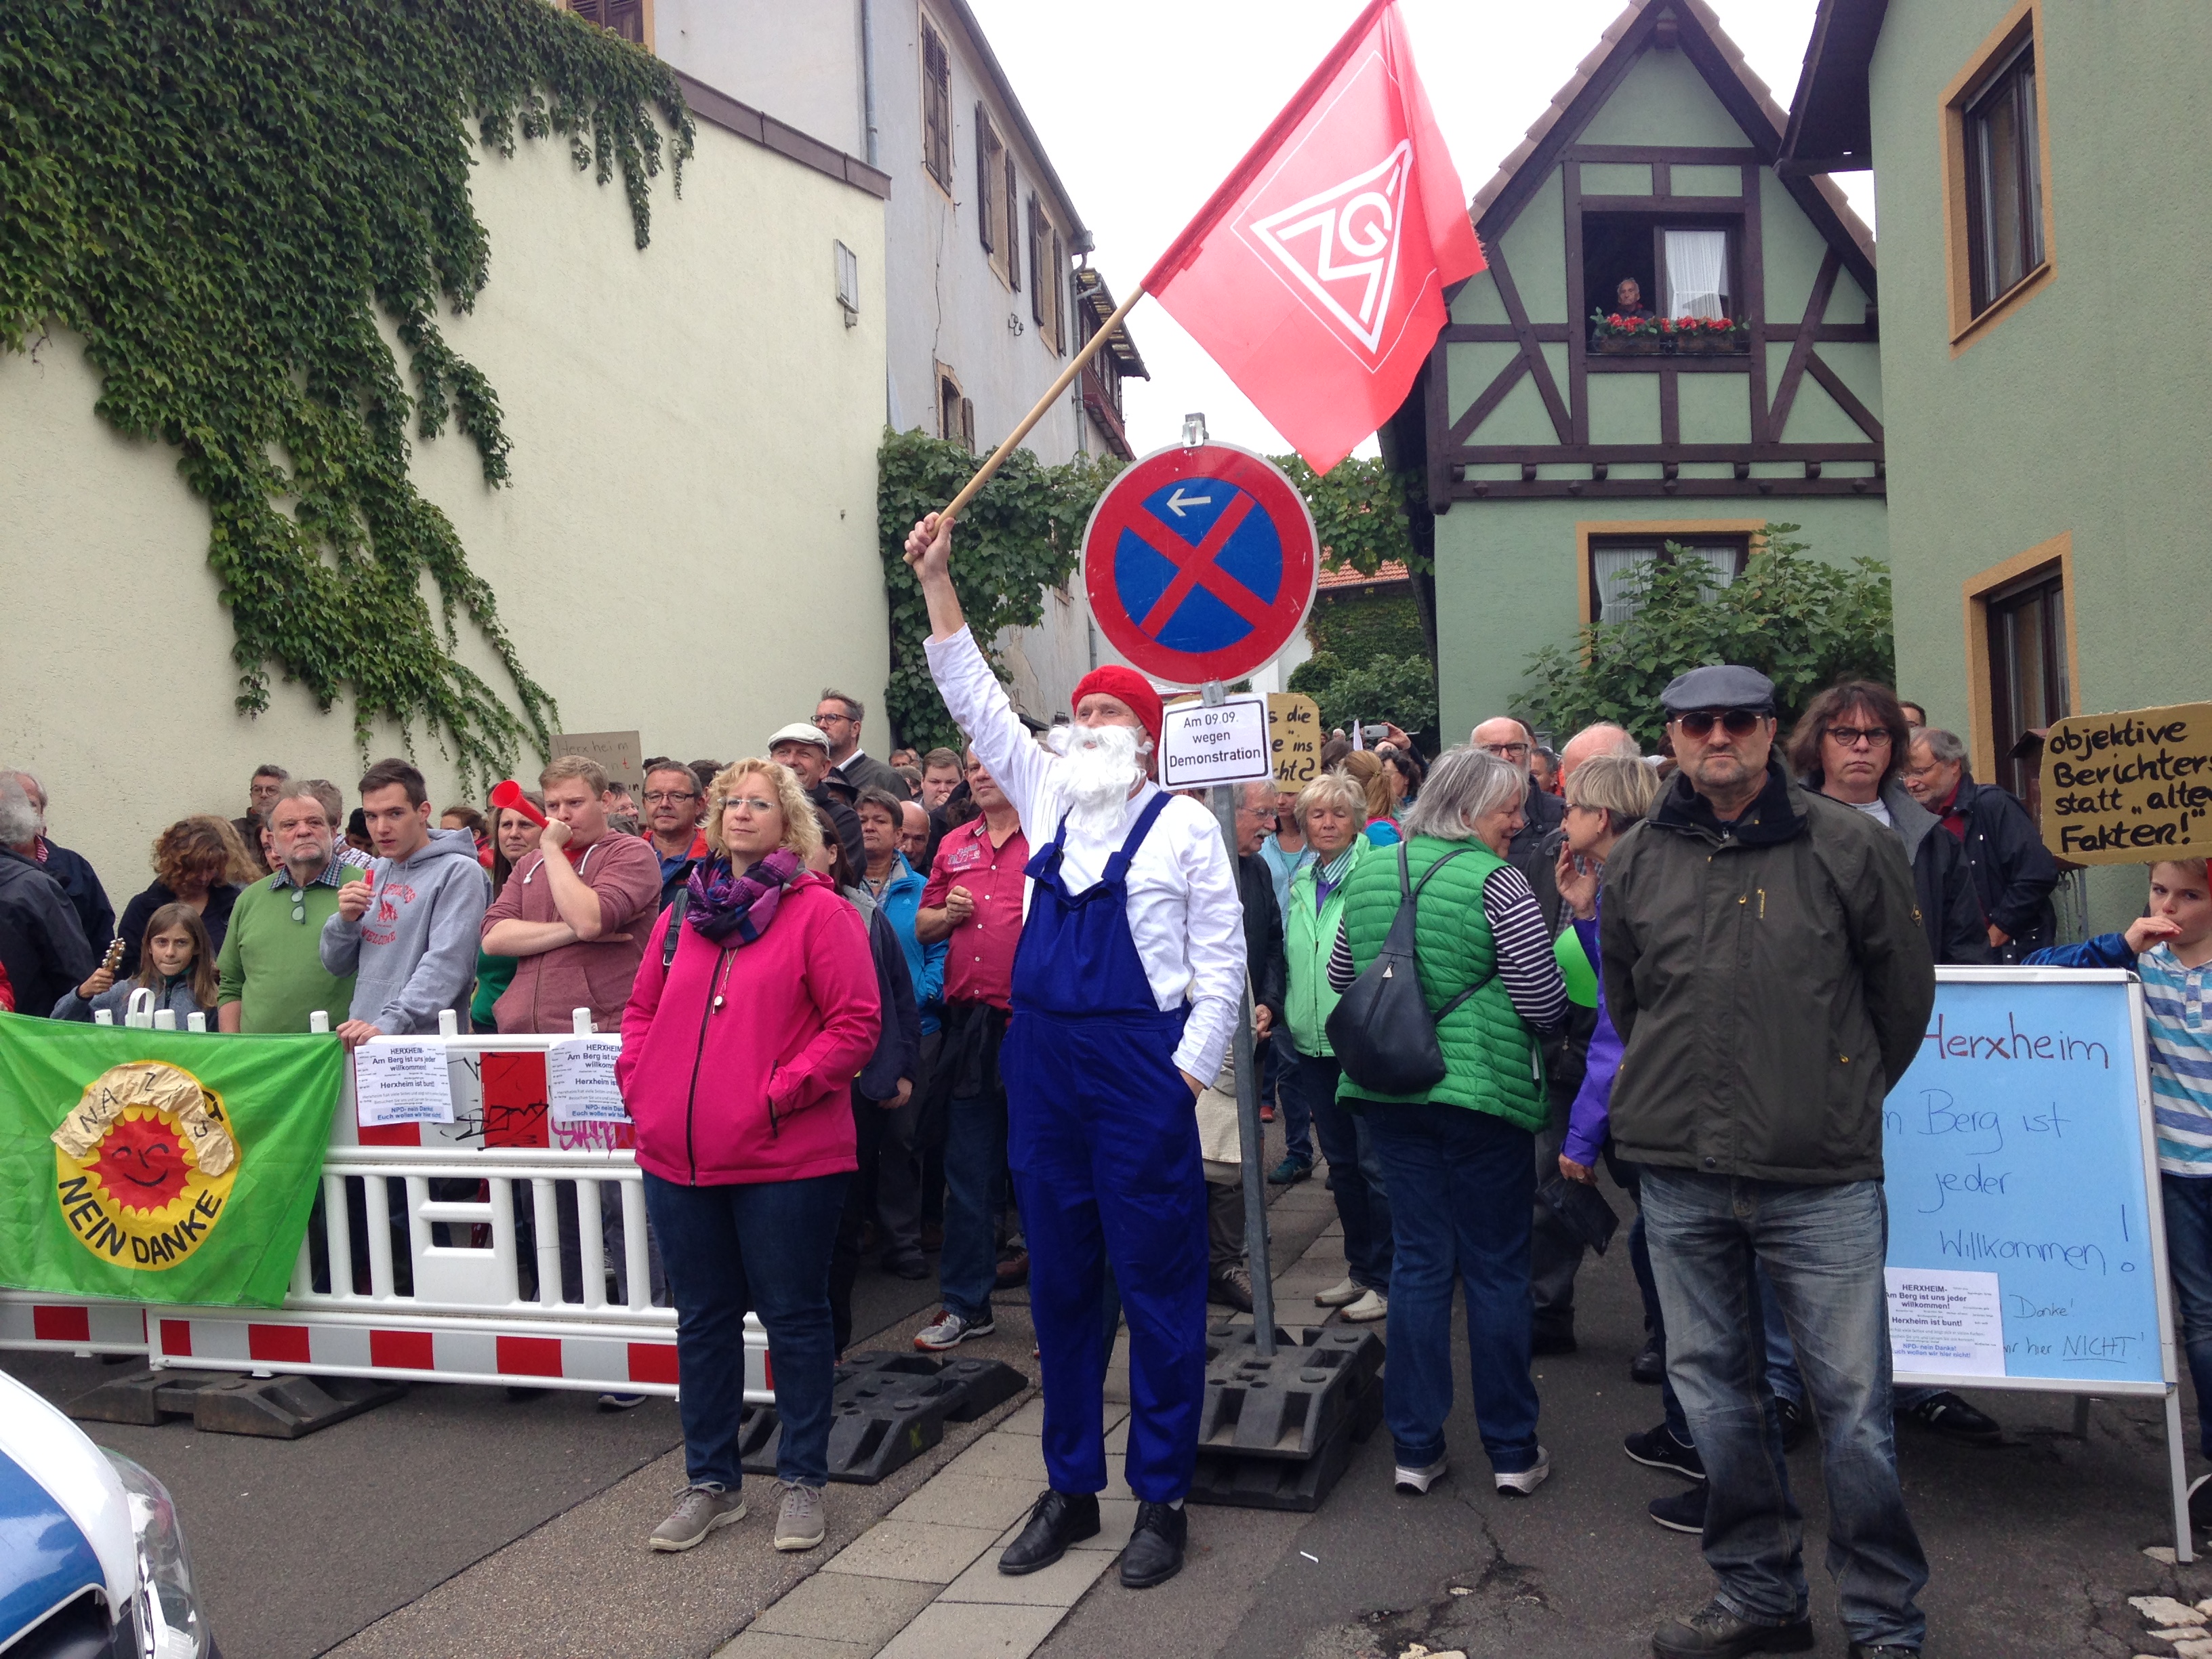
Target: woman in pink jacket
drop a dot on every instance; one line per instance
(739, 1048)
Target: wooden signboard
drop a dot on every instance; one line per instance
(2131, 787)
(1294, 734)
(621, 753)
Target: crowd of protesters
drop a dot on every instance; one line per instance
(870, 1009)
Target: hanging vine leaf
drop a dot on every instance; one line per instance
(221, 197)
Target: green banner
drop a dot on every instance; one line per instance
(159, 1166)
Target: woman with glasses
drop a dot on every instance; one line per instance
(1851, 744)
(755, 1006)
(1461, 1158)
(1331, 811)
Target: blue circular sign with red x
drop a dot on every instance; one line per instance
(1199, 563)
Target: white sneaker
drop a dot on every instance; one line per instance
(1414, 1482)
(1521, 1485)
(1371, 1305)
(1337, 1295)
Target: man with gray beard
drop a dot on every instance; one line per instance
(1126, 989)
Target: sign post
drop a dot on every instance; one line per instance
(1200, 562)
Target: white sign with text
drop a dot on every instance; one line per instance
(1205, 743)
(401, 1082)
(579, 1081)
(1951, 1322)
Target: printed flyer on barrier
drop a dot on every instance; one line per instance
(401, 1082)
(579, 1081)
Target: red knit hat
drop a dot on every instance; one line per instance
(1126, 686)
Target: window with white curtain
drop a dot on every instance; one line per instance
(1697, 273)
(1616, 561)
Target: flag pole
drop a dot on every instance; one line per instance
(1091, 349)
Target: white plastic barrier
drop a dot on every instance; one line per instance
(459, 1313)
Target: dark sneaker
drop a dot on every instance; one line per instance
(1154, 1552)
(1232, 1288)
(1649, 1365)
(1883, 1651)
(1714, 1632)
(2200, 1501)
(698, 1512)
(1059, 1521)
(1657, 1448)
(1013, 1269)
(906, 1266)
(1558, 1337)
(949, 1330)
(1954, 1420)
(1288, 1172)
(1681, 1511)
(1796, 1422)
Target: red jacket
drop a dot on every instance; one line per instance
(548, 987)
(760, 1088)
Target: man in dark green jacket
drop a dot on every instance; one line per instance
(1767, 966)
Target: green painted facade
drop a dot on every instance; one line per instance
(2082, 411)
(1509, 565)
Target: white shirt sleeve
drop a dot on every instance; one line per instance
(1214, 945)
(980, 705)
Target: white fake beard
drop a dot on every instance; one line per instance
(1102, 767)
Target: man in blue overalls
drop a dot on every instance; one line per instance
(1126, 989)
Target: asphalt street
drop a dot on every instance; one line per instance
(456, 1522)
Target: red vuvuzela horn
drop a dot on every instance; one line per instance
(508, 796)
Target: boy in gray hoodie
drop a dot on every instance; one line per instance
(408, 930)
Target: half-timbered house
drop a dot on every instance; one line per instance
(1561, 447)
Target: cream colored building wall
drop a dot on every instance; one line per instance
(687, 546)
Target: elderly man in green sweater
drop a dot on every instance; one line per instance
(271, 973)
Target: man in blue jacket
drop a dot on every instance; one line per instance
(897, 889)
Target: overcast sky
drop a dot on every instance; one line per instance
(1145, 105)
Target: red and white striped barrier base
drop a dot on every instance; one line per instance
(71, 1326)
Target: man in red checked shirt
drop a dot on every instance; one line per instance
(974, 902)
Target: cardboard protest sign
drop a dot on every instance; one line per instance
(2130, 787)
(621, 753)
(1294, 737)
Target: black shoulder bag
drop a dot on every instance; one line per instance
(1384, 1036)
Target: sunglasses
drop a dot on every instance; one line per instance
(1736, 722)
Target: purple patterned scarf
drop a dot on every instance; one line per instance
(734, 910)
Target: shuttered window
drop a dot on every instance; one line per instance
(1010, 266)
(988, 153)
(936, 106)
(625, 17)
(1059, 294)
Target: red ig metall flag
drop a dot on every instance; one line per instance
(1314, 277)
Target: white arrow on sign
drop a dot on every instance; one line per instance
(1177, 501)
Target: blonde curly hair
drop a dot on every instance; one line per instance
(801, 834)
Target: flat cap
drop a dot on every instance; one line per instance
(1718, 685)
(798, 732)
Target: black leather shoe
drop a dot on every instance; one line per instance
(1954, 1420)
(1714, 1632)
(1558, 1337)
(1154, 1553)
(1649, 1365)
(1059, 1520)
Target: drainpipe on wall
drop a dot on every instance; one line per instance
(868, 75)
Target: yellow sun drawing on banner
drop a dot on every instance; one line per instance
(144, 1163)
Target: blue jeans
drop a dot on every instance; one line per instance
(1822, 1250)
(2188, 1201)
(1355, 1174)
(762, 1247)
(1461, 1185)
(975, 1193)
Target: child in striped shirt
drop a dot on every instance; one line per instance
(2171, 949)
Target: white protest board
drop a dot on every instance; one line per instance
(401, 1082)
(579, 1081)
(1227, 742)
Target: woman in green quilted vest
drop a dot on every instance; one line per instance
(1460, 1161)
(1332, 810)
